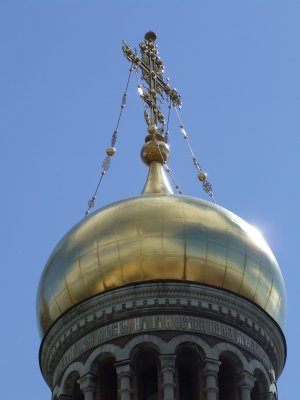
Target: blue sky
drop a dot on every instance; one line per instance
(62, 74)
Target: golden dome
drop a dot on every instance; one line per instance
(160, 236)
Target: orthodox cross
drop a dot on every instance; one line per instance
(152, 73)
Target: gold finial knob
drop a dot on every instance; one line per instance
(155, 148)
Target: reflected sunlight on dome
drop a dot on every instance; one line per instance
(160, 237)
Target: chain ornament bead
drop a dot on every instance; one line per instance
(151, 68)
(202, 176)
(110, 151)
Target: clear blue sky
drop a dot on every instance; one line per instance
(62, 73)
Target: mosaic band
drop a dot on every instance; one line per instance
(161, 323)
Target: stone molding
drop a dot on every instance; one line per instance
(88, 383)
(156, 324)
(162, 298)
(123, 355)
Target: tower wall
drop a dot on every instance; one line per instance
(164, 341)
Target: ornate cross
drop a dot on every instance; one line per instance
(152, 72)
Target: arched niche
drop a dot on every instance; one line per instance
(103, 367)
(71, 387)
(230, 367)
(147, 377)
(189, 382)
(260, 386)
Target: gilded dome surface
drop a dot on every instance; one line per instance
(156, 237)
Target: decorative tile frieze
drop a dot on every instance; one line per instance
(176, 300)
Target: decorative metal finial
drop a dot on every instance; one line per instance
(155, 151)
(152, 69)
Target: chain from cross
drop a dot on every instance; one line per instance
(152, 72)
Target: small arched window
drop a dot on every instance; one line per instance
(72, 388)
(260, 386)
(255, 393)
(147, 378)
(77, 393)
(188, 364)
(107, 387)
(227, 378)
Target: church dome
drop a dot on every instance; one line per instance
(156, 237)
(159, 236)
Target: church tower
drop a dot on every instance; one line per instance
(161, 296)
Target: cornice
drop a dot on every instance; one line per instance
(162, 298)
